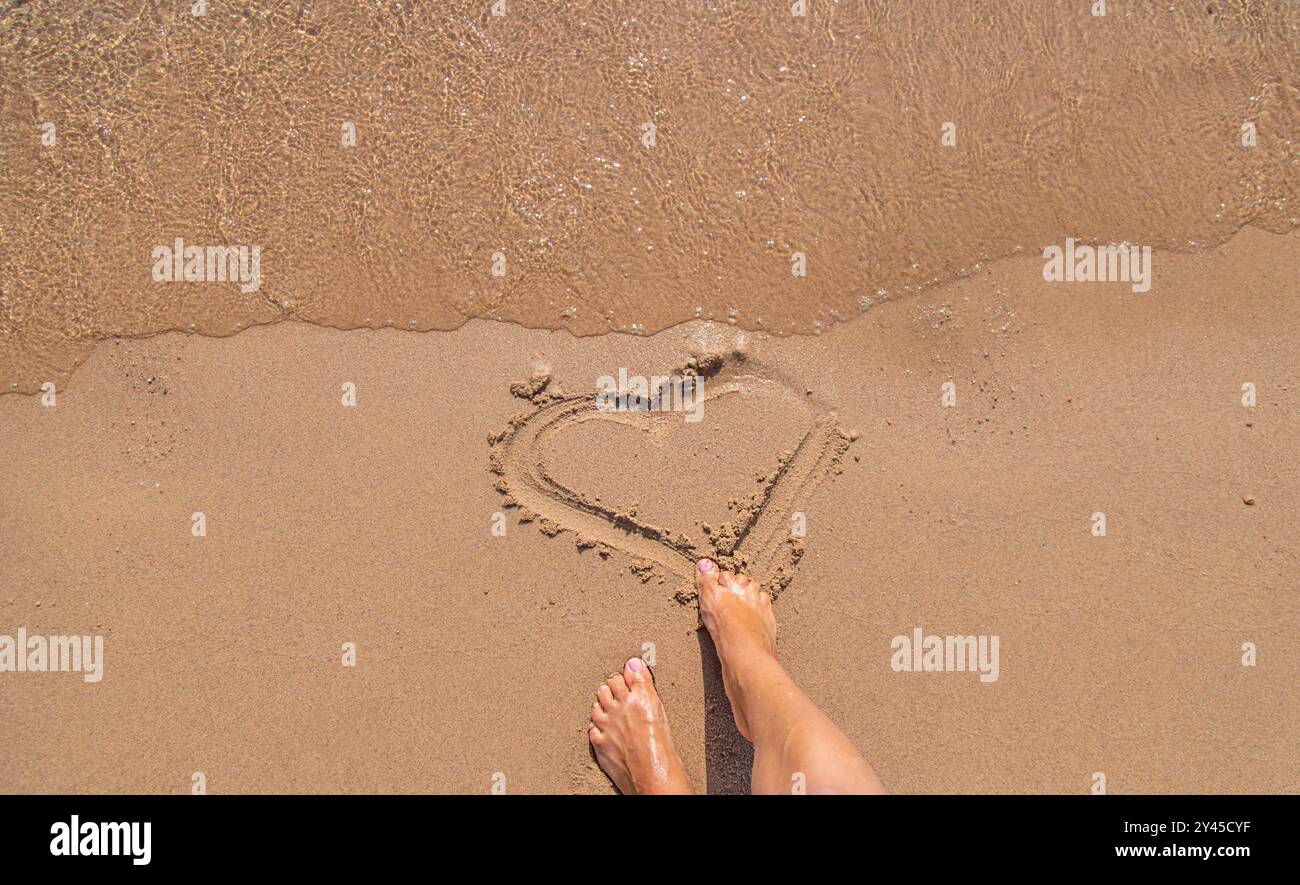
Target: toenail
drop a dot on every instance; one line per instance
(706, 566)
(634, 665)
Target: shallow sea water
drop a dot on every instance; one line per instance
(505, 166)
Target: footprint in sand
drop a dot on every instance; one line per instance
(757, 539)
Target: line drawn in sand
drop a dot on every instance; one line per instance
(757, 539)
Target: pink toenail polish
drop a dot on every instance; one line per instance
(706, 566)
(635, 665)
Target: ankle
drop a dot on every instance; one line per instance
(678, 785)
(739, 640)
(744, 654)
(672, 781)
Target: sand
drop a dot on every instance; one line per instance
(604, 165)
(478, 654)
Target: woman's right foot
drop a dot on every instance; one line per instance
(738, 615)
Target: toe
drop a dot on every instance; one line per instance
(605, 697)
(599, 717)
(617, 687)
(635, 673)
(595, 735)
(706, 575)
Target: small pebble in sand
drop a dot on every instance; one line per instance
(1248, 500)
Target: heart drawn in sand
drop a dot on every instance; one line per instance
(757, 539)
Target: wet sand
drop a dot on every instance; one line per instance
(479, 654)
(389, 158)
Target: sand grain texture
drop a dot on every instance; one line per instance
(480, 654)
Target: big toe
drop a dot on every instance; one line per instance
(636, 673)
(706, 575)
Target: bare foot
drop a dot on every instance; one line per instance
(629, 731)
(738, 615)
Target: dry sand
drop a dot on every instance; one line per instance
(480, 654)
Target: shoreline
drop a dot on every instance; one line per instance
(926, 290)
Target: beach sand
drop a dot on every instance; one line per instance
(478, 655)
(602, 166)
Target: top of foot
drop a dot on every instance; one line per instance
(735, 610)
(629, 732)
(738, 615)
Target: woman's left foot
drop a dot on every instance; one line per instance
(629, 731)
